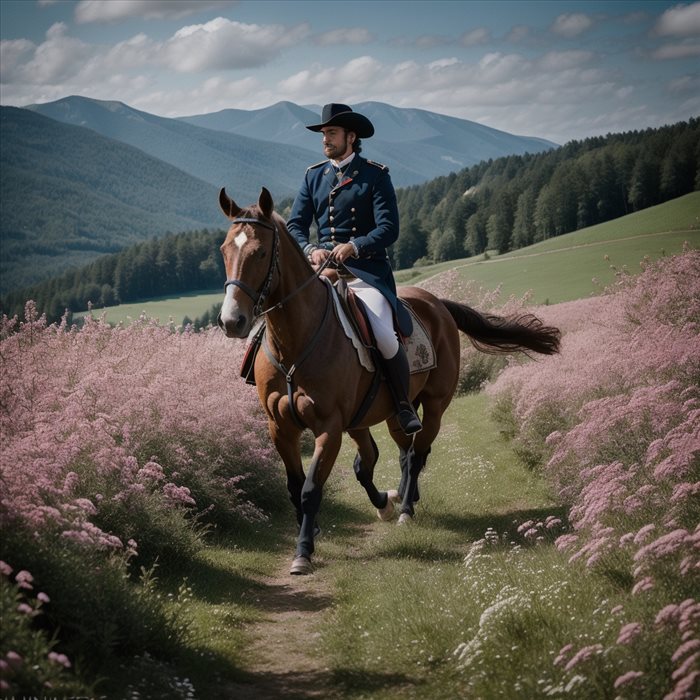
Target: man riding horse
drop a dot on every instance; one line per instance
(353, 202)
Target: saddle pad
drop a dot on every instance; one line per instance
(419, 347)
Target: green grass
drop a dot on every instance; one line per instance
(561, 275)
(555, 270)
(405, 600)
(165, 309)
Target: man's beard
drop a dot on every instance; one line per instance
(335, 152)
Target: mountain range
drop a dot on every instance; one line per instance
(80, 177)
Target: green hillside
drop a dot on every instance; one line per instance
(70, 195)
(556, 270)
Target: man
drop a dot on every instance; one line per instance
(353, 203)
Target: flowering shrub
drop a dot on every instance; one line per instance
(117, 437)
(615, 423)
(119, 445)
(28, 661)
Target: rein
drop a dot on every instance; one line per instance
(261, 295)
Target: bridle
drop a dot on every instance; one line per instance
(261, 295)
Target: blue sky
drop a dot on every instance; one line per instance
(557, 70)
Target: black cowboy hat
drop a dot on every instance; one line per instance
(335, 114)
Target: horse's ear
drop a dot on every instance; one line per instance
(228, 206)
(265, 203)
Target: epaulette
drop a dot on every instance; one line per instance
(316, 165)
(378, 165)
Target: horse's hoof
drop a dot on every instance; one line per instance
(387, 513)
(301, 566)
(404, 518)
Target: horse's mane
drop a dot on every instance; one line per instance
(282, 226)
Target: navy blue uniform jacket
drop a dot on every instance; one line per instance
(361, 208)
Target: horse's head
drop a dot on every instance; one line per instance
(250, 256)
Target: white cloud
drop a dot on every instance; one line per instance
(624, 92)
(13, 55)
(571, 25)
(477, 36)
(518, 33)
(685, 83)
(217, 45)
(686, 49)
(87, 11)
(564, 60)
(680, 21)
(223, 44)
(353, 35)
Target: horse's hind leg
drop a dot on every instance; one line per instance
(414, 454)
(415, 461)
(363, 466)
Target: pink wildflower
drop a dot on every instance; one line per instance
(644, 584)
(629, 632)
(626, 678)
(14, 659)
(583, 654)
(683, 649)
(686, 666)
(684, 688)
(5, 569)
(60, 659)
(25, 609)
(24, 580)
(643, 532)
(563, 652)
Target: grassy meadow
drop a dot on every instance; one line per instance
(553, 553)
(559, 269)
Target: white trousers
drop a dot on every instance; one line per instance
(380, 317)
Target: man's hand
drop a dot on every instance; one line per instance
(318, 256)
(342, 252)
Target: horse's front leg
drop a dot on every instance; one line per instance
(363, 466)
(325, 454)
(289, 449)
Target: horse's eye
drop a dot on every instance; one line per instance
(262, 254)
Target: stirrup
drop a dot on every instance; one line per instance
(409, 421)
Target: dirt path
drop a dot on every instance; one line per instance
(284, 659)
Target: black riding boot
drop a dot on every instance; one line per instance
(397, 374)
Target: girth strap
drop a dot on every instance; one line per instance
(289, 373)
(371, 394)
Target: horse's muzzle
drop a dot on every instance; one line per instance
(236, 327)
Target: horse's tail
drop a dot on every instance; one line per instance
(495, 334)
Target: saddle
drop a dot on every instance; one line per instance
(355, 312)
(352, 316)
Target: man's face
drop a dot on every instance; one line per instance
(337, 142)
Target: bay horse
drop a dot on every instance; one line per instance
(309, 375)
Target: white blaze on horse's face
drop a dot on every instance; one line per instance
(240, 240)
(242, 256)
